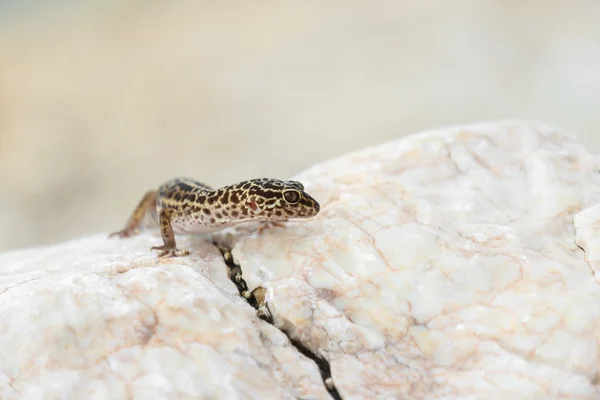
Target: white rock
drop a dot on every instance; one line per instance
(452, 264)
(99, 318)
(445, 266)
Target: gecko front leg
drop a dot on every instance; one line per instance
(169, 248)
(267, 225)
(147, 203)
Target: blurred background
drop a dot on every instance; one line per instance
(100, 101)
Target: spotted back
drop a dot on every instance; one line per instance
(182, 192)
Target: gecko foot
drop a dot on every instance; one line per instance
(123, 233)
(269, 225)
(166, 253)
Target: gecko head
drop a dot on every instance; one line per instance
(277, 200)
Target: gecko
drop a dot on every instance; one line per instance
(186, 206)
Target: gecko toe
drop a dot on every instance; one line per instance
(269, 225)
(168, 253)
(122, 234)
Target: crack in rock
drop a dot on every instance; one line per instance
(257, 299)
(585, 223)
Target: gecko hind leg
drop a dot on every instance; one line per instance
(147, 203)
(169, 248)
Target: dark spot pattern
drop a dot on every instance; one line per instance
(184, 187)
(224, 198)
(196, 203)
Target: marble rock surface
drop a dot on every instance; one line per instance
(453, 264)
(104, 319)
(445, 265)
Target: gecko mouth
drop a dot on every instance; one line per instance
(310, 207)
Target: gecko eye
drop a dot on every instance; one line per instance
(291, 196)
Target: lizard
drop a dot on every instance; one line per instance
(186, 206)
